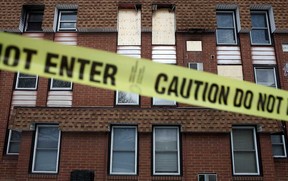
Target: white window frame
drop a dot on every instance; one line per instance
(178, 150)
(112, 150)
(256, 150)
(262, 28)
(35, 147)
(206, 176)
(8, 144)
(234, 28)
(128, 103)
(60, 11)
(283, 145)
(260, 67)
(59, 88)
(24, 88)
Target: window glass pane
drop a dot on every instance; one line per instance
(259, 20)
(225, 20)
(276, 139)
(245, 162)
(68, 16)
(35, 17)
(34, 26)
(278, 150)
(165, 139)
(15, 136)
(265, 77)
(123, 162)
(26, 83)
(260, 36)
(68, 25)
(166, 162)
(225, 36)
(243, 140)
(45, 160)
(14, 147)
(201, 178)
(211, 177)
(124, 139)
(48, 137)
(61, 84)
(125, 97)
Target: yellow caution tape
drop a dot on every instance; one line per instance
(112, 71)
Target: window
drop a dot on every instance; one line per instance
(60, 85)
(67, 20)
(265, 76)
(46, 149)
(278, 145)
(244, 151)
(14, 139)
(207, 177)
(166, 151)
(226, 27)
(34, 20)
(123, 156)
(126, 98)
(25, 81)
(196, 66)
(260, 32)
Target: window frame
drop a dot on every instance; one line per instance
(27, 15)
(283, 145)
(262, 28)
(60, 11)
(126, 104)
(255, 151)
(266, 67)
(17, 82)
(8, 144)
(112, 150)
(234, 28)
(35, 149)
(178, 151)
(60, 88)
(206, 176)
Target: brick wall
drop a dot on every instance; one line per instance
(103, 14)
(7, 164)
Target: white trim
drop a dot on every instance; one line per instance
(275, 78)
(59, 88)
(60, 11)
(21, 88)
(35, 147)
(268, 27)
(178, 150)
(255, 146)
(284, 148)
(8, 144)
(234, 28)
(111, 151)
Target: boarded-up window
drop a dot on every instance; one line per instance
(231, 71)
(163, 27)
(129, 27)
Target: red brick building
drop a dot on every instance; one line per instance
(55, 130)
